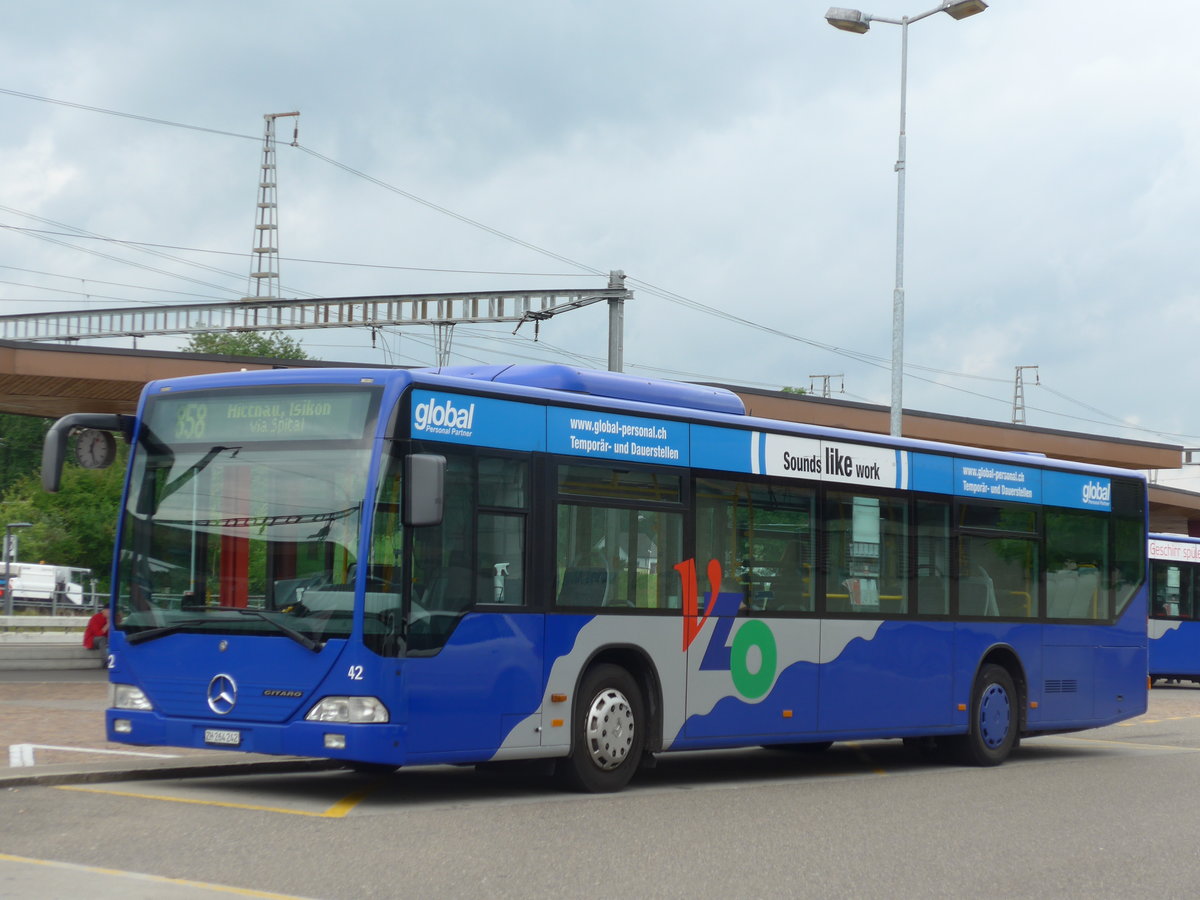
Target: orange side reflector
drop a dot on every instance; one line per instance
(556, 723)
(558, 698)
(787, 713)
(962, 707)
(1033, 704)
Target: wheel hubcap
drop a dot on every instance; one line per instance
(609, 729)
(995, 716)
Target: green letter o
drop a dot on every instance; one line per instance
(753, 685)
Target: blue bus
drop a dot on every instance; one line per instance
(1174, 608)
(477, 564)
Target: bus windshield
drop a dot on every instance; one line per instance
(227, 528)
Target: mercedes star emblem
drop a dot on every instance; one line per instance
(222, 694)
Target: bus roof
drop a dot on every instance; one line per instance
(568, 385)
(610, 385)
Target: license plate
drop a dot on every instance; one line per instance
(217, 736)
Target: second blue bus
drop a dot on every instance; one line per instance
(1174, 608)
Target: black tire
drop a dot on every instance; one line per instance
(995, 721)
(608, 732)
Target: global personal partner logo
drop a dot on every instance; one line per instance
(1097, 493)
(444, 417)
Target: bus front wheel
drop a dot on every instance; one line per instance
(608, 732)
(995, 719)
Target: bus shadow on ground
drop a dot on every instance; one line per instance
(693, 769)
(438, 785)
(678, 770)
(766, 764)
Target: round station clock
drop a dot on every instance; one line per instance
(95, 449)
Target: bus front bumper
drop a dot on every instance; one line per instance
(380, 743)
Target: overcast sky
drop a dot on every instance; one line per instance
(737, 155)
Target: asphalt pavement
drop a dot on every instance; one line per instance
(52, 732)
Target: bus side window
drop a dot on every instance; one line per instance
(866, 567)
(763, 537)
(619, 537)
(998, 577)
(449, 589)
(501, 572)
(584, 583)
(1076, 554)
(1129, 543)
(1171, 586)
(933, 558)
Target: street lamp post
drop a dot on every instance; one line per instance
(8, 594)
(858, 22)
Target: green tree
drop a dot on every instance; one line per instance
(76, 526)
(20, 447)
(262, 344)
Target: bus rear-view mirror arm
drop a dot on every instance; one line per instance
(54, 446)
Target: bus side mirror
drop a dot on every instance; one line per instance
(54, 445)
(424, 486)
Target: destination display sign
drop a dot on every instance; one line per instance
(1177, 551)
(289, 414)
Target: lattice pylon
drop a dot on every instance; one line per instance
(264, 262)
(443, 335)
(1018, 414)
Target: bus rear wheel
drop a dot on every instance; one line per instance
(995, 719)
(608, 732)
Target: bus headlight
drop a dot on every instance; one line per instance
(348, 709)
(126, 696)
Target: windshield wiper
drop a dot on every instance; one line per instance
(139, 636)
(301, 639)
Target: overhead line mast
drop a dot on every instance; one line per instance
(1018, 414)
(264, 262)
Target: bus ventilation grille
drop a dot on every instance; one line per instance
(1062, 686)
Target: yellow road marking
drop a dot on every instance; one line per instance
(141, 876)
(1142, 720)
(342, 807)
(339, 810)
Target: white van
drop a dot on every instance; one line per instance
(36, 583)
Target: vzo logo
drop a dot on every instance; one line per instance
(752, 658)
